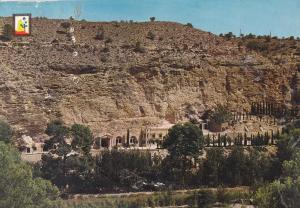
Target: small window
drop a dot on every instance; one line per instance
(153, 135)
(160, 135)
(28, 150)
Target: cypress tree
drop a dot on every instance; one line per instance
(245, 139)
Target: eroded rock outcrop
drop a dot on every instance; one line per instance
(110, 86)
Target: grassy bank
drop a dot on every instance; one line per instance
(188, 198)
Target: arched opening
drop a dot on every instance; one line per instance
(119, 140)
(133, 140)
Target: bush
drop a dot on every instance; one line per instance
(229, 35)
(151, 35)
(8, 32)
(108, 40)
(152, 19)
(139, 48)
(17, 186)
(257, 45)
(189, 25)
(220, 115)
(65, 25)
(100, 35)
(205, 199)
(6, 132)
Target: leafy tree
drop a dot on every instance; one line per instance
(229, 35)
(57, 131)
(235, 167)
(189, 25)
(287, 144)
(152, 19)
(284, 192)
(184, 140)
(68, 166)
(184, 143)
(6, 132)
(220, 115)
(82, 138)
(213, 167)
(258, 167)
(112, 167)
(17, 186)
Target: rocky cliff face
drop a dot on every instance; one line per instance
(134, 74)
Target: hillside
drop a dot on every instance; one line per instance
(134, 74)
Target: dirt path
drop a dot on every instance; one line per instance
(120, 195)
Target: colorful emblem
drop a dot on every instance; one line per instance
(22, 24)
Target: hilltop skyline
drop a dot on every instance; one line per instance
(281, 18)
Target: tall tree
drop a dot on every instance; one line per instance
(82, 138)
(213, 167)
(235, 167)
(68, 166)
(184, 143)
(6, 132)
(17, 186)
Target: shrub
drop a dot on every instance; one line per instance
(205, 199)
(139, 48)
(8, 32)
(65, 25)
(250, 35)
(6, 132)
(257, 46)
(151, 35)
(99, 35)
(221, 114)
(103, 59)
(108, 40)
(229, 35)
(152, 19)
(189, 25)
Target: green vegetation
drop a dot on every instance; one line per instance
(184, 143)
(220, 115)
(152, 19)
(229, 35)
(69, 165)
(8, 32)
(17, 186)
(65, 25)
(151, 35)
(100, 34)
(201, 198)
(139, 48)
(257, 45)
(284, 191)
(6, 132)
(189, 25)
